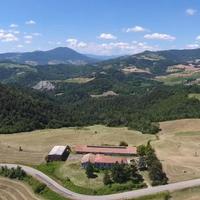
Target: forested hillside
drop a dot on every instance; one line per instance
(23, 110)
(104, 94)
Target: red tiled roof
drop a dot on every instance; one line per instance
(105, 149)
(101, 159)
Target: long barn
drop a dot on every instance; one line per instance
(107, 150)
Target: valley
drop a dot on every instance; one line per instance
(99, 100)
(148, 97)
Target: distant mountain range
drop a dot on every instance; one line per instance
(63, 63)
(60, 55)
(102, 57)
(156, 62)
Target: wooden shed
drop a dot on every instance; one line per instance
(58, 153)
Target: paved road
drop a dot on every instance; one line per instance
(53, 185)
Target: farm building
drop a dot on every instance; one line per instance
(107, 150)
(58, 153)
(101, 161)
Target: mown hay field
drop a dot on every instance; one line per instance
(178, 148)
(15, 190)
(37, 144)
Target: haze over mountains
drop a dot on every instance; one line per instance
(64, 63)
(60, 55)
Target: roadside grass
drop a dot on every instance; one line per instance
(187, 194)
(52, 170)
(46, 193)
(159, 196)
(37, 144)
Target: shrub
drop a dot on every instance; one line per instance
(123, 143)
(40, 188)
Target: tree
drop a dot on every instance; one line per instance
(142, 164)
(157, 175)
(141, 150)
(90, 170)
(120, 173)
(123, 143)
(107, 179)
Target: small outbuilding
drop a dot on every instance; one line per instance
(58, 153)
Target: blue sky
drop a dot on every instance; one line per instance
(99, 26)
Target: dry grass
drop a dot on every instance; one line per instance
(14, 190)
(79, 80)
(179, 149)
(37, 144)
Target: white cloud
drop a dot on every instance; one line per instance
(74, 43)
(28, 37)
(30, 22)
(193, 46)
(159, 36)
(15, 32)
(191, 11)
(36, 34)
(13, 26)
(117, 48)
(136, 29)
(82, 44)
(107, 36)
(28, 41)
(7, 37)
(198, 37)
(20, 46)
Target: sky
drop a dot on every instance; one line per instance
(101, 27)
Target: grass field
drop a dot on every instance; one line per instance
(77, 175)
(15, 190)
(79, 80)
(178, 78)
(194, 95)
(178, 148)
(37, 144)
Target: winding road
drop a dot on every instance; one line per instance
(53, 185)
